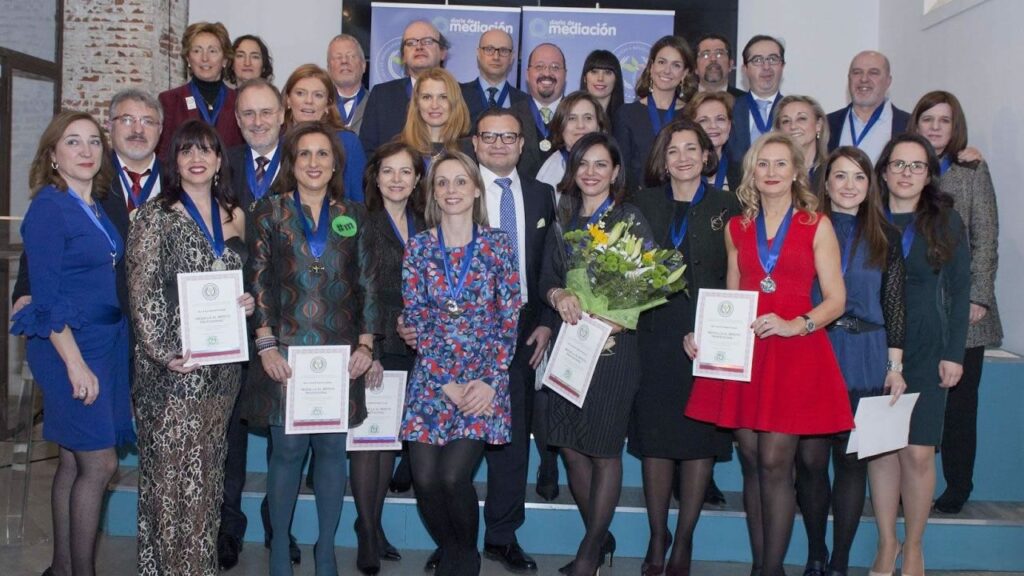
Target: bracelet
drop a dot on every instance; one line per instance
(369, 349)
(551, 295)
(265, 343)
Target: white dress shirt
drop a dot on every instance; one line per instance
(126, 182)
(492, 195)
(268, 156)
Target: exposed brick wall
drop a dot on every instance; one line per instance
(110, 45)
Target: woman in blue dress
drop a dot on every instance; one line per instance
(77, 334)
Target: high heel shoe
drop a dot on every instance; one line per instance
(401, 480)
(899, 550)
(647, 569)
(387, 550)
(367, 555)
(607, 549)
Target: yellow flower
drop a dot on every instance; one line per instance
(600, 236)
(648, 258)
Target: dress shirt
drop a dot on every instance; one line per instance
(484, 85)
(552, 106)
(269, 156)
(126, 192)
(754, 132)
(876, 139)
(492, 194)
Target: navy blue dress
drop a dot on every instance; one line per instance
(73, 284)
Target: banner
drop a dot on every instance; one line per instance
(628, 34)
(461, 25)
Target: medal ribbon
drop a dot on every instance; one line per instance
(502, 96)
(346, 117)
(317, 240)
(116, 244)
(216, 239)
(453, 290)
(678, 231)
(259, 189)
(147, 189)
(408, 87)
(409, 222)
(763, 126)
(597, 213)
(769, 257)
(944, 164)
(208, 116)
(722, 170)
(867, 127)
(907, 238)
(657, 120)
(542, 128)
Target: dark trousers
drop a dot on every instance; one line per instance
(232, 520)
(505, 505)
(960, 431)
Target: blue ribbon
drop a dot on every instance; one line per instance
(317, 240)
(209, 117)
(723, 169)
(410, 224)
(454, 290)
(259, 189)
(944, 164)
(216, 239)
(408, 88)
(763, 126)
(597, 213)
(346, 117)
(116, 244)
(678, 230)
(542, 128)
(907, 238)
(502, 96)
(147, 188)
(867, 127)
(657, 120)
(769, 257)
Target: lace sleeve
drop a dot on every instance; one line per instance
(893, 296)
(147, 278)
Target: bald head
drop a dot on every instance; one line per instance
(869, 80)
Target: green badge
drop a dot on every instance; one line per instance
(344, 226)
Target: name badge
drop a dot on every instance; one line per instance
(190, 102)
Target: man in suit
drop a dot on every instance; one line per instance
(423, 47)
(494, 58)
(764, 59)
(346, 63)
(545, 84)
(714, 64)
(524, 208)
(870, 120)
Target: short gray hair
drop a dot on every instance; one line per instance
(350, 38)
(138, 96)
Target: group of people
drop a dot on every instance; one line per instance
(869, 233)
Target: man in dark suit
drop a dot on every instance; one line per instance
(764, 59)
(494, 58)
(870, 120)
(545, 84)
(346, 63)
(423, 47)
(524, 208)
(714, 64)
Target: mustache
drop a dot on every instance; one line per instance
(137, 138)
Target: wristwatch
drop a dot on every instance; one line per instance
(894, 366)
(808, 323)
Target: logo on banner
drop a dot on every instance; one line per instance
(633, 58)
(388, 60)
(473, 26)
(541, 28)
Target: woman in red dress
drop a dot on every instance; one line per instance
(778, 247)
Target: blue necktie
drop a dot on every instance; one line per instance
(764, 107)
(492, 97)
(508, 215)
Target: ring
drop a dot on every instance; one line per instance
(83, 392)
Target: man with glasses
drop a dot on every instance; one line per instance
(423, 48)
(545, 84)
(524, 208)
(764, 58)
(714, 64)
(346, 64)
(494, 58)
(870, 120)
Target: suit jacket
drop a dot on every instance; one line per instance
(475, 97)
(739, 138)
(539, 210)
(532, 157)
(357, 115)
(176, 112)
(384, 113)
(836, 121)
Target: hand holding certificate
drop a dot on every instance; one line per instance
(384, 406)
(882, 426)
(213, 327)
(317, 393)
(574, 357)
(725, 341)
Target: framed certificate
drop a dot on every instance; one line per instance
(384, 407)
(316, 401)
(212, 323)
(724, 338)
(574, 357)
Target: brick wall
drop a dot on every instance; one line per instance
(110, 45)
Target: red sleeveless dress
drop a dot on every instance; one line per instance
(796, 386)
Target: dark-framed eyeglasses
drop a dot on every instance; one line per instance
(506, 137)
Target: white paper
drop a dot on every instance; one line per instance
(384, 407)
(574, 357)
(212, 322)
(881, 428)
(724, 338)
(317, 392)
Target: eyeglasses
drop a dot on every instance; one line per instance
(541, 68)
(712, 54)
(899, 166)
(761, 61)
(506, 137)
(129, 121)
(490, 50)
(425, 42)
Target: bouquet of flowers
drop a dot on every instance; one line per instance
(616, 275)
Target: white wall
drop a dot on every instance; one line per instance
(969, 54)
(297, 31)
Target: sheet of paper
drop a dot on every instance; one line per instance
(212, 326)
(724, 338)
(574, 357)
(384, 407)
(317, 393)
(881, 428)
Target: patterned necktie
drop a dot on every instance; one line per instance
(492, 99)
(508, 215)
(546, 114)
(261, 169)
(136, 178)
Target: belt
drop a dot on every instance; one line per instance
(855, 325)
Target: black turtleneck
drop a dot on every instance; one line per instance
(208, 90)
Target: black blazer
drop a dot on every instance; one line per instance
(532, 157)
(384, 115)
(836, 121)
(739, 138)
(539, 210)
(475, 98)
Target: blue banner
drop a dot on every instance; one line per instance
(461, 25)
(628, 34)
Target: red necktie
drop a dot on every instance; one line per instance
(136, 186)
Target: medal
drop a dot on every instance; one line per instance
(542, 129)
(216, 239)
(769, 257)
(453, 290)
(316, 268)
(544, 145)
(218, 265)
(767, 284)
(453, 308)
(317, 241)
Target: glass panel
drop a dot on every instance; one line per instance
(30, 27)
(31, 111)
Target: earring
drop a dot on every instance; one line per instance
(216, 180)
(54, 165)
(817, 135)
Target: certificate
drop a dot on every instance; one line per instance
(316, 401)
(574, 357)
(724, 338)
(384, 408)
(212, 323)
(881, 428)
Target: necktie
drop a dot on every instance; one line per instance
(261, 169)
(546, 114)
(136, 178)
(508, 215)
(492, 99)
(764, 106)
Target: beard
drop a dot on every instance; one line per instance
(714, 73)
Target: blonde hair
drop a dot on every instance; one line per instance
(821, 142)
(804, 198)
(216, 29)
(432, 213)
(416, 133)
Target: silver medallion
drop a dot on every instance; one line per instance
(316, 268)
(545, 145)
(454, 311)
(768, 285)
(219, 265)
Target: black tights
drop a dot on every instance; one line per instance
(76, 499)
(847, 497)
(369, 475)
(596, 484)
(768, 496)
(442, 477)
(694, 476)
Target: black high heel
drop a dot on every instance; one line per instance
(401, 480)
(607, 549)
(387, 550)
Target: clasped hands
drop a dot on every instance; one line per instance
(473, 399)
